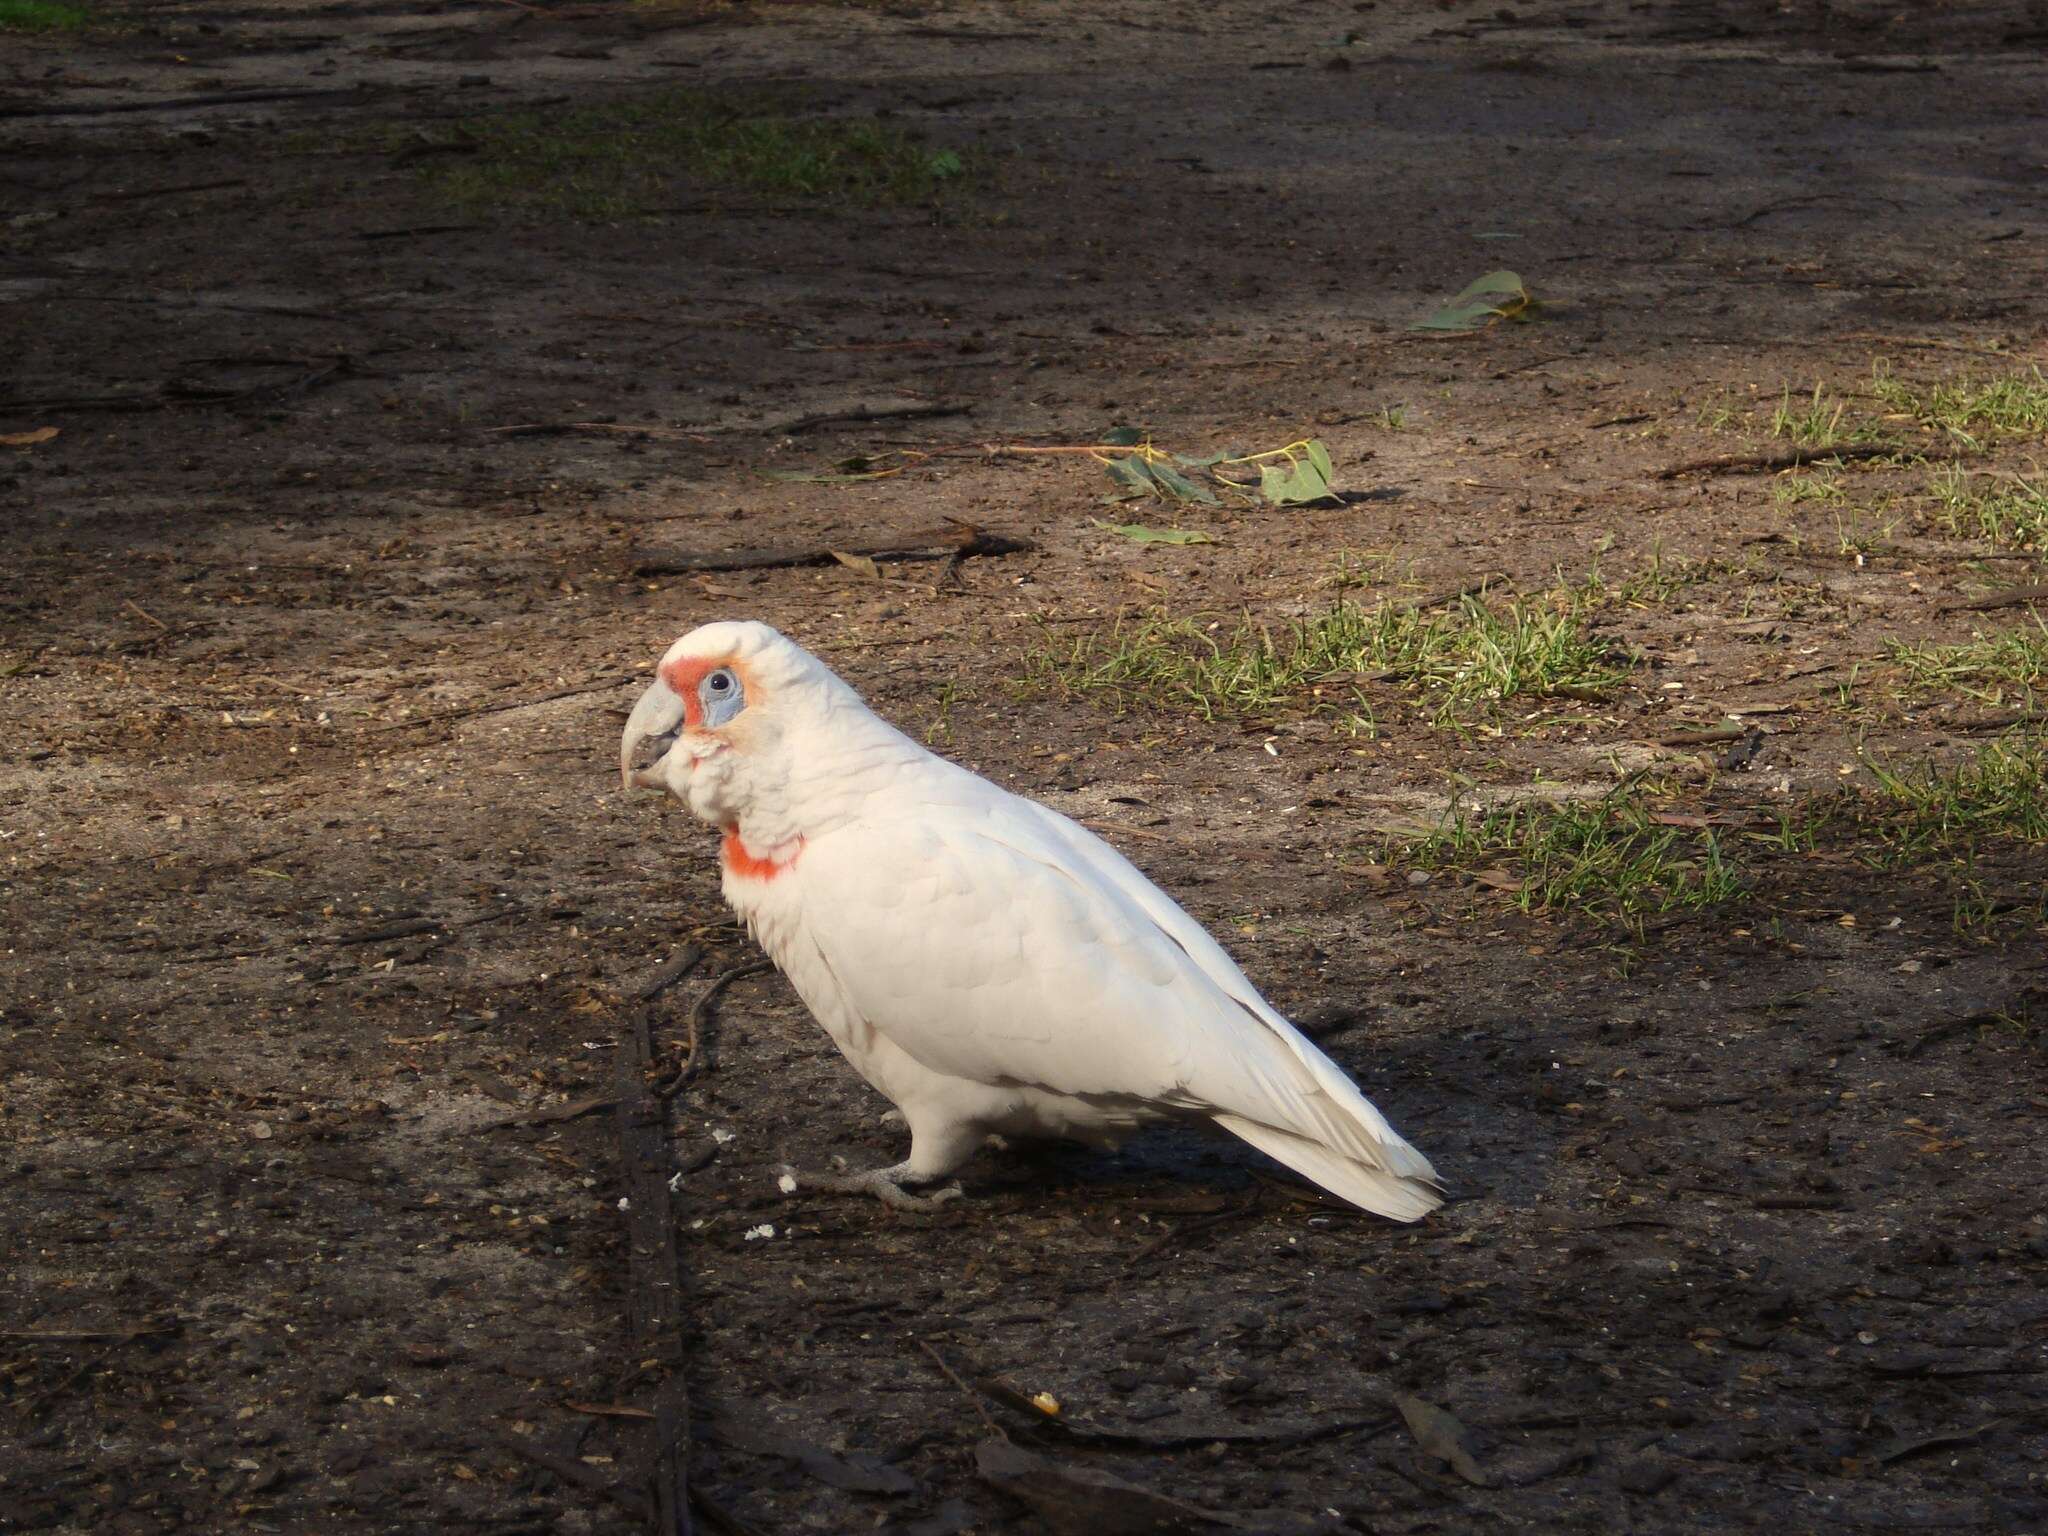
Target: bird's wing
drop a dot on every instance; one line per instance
(984, 963)
(994, 940)
(1339, 1111)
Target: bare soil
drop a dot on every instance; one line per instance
(317, 877)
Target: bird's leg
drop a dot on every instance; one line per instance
(937, 1146)
(885, 1184)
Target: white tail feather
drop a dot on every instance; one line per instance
(1393, 1195)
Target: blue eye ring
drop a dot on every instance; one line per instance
(721, 696)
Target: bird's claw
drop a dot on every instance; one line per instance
(882, 1183)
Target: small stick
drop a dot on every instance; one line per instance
(654, 1288)
(189, 103)
(545, 428)
(2011, 597)
(1174, 1236)
(950, 545)
(972, 1396)
(610, 1410)
(136, 608)
(190, 186)
(1700, 738)
(864, 413)
(575, 1109)
(699, 1014)
(415, 231)
(669, 973)
(1924, 341)
(405, 928)
(495, 709)
(1472, 588)
(995, 450)
(1764, 462)
(82, 1335)
(574, 1472)
(1997, 722)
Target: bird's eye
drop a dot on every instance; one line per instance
(722, 696)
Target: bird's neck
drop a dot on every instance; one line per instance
(753, 862)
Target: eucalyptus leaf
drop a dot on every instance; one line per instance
(1121, 437)
(1495, 296)
(1292, 484)
(1133, 476)
(864, 564)
(1180, 487)
(1441, 1435)
(1139, 533)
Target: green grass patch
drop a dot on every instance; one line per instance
(1723, 414)
(1814, 421)
(1602, 858)
(1793, 490)
(1965, 832)
(1968, 409)
(631, 158)
(1659, 582)
(1934, 809)
(1456, 660)
(2007, 510)
(42, 16)
(1989, 668)
(1974, 825)
(1863, 531)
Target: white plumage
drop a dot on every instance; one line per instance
(987, 964)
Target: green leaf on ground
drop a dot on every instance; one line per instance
(1208, 460)
(1496, 296)
(1132, 477)
(1139, 533)
(1180, 487)
(1136, 476)
(1299, 480)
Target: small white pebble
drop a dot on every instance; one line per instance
(625, 1204)
(720, 1135)
(766, 1229)
(787, 1184)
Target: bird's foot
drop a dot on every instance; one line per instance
(885, 1184)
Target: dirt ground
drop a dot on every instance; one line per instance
(318, 882)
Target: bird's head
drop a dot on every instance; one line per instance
(718, 727)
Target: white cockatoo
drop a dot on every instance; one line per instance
(990, 966)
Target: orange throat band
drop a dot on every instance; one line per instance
(744, 865)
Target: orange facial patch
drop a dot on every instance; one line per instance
(744, 865)
(686, 672)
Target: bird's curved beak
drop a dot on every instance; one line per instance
(654, 719)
